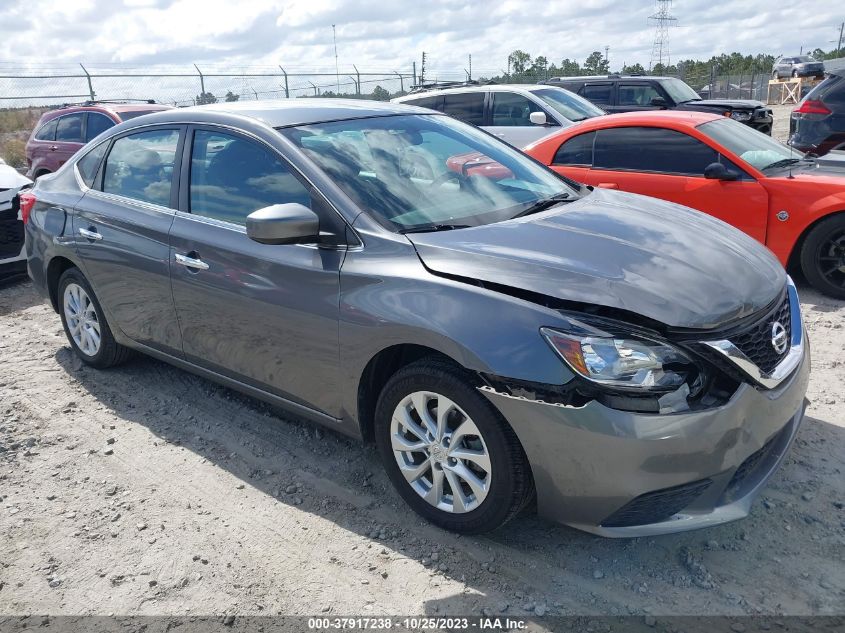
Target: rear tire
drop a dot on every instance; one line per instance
(85, 323)
(477, 451)
(823, 256)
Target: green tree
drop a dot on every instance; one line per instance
(596, 64)
(205, 97)
(380, 94)
(519, 61)
(570, 68)
(231, 96)
(636, 69)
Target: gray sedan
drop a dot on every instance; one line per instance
(501, 334)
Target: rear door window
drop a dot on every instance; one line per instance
(465, 106)
(651, 149)
(69, 128)
(598, 93)
(140, 166)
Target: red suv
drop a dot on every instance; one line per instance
(60, 133)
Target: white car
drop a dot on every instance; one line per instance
(517, 113)
(12, 254)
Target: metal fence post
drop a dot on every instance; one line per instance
(90, 85)
(358, 74)
(287, 92)
(202, 80)
(401, 81)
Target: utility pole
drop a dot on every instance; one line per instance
(839, 45)
(607, 56)
(336, 71)
(663, 21)
(422, 70)
(470, 67)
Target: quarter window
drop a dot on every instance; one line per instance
(89, 163)
(511, 109)
(576, 151)
(651, 149)
(465, 106)
(231, 177)
(140, 166)
(598, 93)
(69, 128)
(47, 132)
(97, 124)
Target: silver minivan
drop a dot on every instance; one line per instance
(519, 114)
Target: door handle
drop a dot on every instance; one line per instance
(53, 148)
(190, 262)
(90, 235)
(608, 185)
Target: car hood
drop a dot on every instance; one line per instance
(744, 104)
(660, 260)
(11, 179)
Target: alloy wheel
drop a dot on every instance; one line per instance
(440, 452)
(82, 320)
(831, 259)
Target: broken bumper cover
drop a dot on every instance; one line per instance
(623, 474)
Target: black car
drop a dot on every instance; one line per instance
(617, 93)
(817, 125)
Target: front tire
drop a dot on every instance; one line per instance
(85, 324)
(823, 256)
(450, 454)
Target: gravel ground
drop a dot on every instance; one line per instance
(146, 490)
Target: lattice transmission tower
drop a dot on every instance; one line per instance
(663, 20)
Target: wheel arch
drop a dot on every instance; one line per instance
(793, 263)
(378, 371)
(55, 269)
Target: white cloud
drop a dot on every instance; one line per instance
(385, 35)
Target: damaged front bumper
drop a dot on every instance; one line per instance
(624, 474)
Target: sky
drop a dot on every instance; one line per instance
(389, 34)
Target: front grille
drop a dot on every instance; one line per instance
(11, 238)
(656, 506)
(756, 341)
(749, 470)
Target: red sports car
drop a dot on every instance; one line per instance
(794, 204)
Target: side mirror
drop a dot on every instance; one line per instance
(717, 171)
(538, 118)
(290, 223)
(658, 102)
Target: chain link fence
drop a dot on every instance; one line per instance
(191, 86)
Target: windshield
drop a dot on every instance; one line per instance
(755, 148)
(570, 105)
(679, 91)
(426, 172)
(803, 59)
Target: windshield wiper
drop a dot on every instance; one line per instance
(784, 162)
(542, 205)
(433, 227)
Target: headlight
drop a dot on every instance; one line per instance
(622, 361)
(740, 116)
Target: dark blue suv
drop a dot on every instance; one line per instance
(818, 123)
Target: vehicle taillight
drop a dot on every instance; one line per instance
(812, 106)
(27, 202)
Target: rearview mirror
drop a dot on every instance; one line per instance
(717, 171)
(658, 102)
(290, 223)
(537, 118)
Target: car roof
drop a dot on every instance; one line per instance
(303, 111)
(654, 118)
(553, 80)
(115, 108)
(479, 88)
